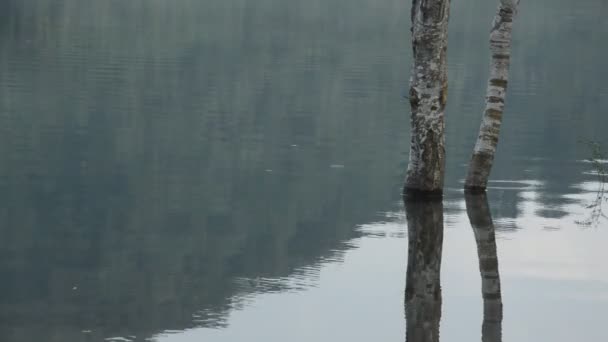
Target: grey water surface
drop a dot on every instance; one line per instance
(230, 170)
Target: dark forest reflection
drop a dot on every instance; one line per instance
(423, 284)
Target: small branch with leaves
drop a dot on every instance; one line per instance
(598, 161)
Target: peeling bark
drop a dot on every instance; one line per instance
(483, 228)
(428, 95)
(423, 288)
(487, 140)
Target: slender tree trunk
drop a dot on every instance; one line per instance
(423, 287)
(500, 47)
(428, 94)
(483, 228)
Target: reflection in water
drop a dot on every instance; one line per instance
(423, 288)
(156, 156)
(483, 227)
(142, 185)
(423, 285)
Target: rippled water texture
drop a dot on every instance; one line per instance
(230, 170)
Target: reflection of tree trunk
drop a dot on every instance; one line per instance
(483, 227)
(485, 148)
(423, 289)
(428, 96)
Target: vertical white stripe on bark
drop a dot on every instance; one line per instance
(500, 48)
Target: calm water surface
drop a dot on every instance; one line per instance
(230, 170)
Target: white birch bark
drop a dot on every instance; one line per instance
(483, 228)
(423, 286)
(428, 94)
(487, 140)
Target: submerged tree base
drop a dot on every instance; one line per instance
(474, 190)
(413, 194)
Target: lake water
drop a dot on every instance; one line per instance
(231, 170)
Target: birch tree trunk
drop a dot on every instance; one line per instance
(428, 94)
(487, 140)
(423, 287)
(483, 228)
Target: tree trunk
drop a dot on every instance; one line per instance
(500, 48)
(427, 95)
(483, 228)
(423, 288)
